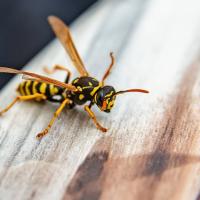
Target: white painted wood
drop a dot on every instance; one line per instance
(156, 44)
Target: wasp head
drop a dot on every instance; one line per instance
(104, 98)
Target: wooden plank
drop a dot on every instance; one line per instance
(151, 150)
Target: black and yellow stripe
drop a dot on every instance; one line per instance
(32, 87)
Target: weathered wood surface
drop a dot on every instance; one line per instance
(152, 149)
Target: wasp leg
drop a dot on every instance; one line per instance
(56, 68)
(109, 68)
(23, 98)
(56, 114)
(93, 117)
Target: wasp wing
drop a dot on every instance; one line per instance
(63, 33)
(38, 77)
(29, 78)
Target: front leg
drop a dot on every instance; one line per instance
(93, 117)
(56, 114)
(109, 68)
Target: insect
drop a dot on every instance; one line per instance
(81, 90)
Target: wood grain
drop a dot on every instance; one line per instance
(152, 148)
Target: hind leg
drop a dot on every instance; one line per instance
(56, 68)
(23, 98)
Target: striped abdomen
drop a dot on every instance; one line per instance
(32, 87)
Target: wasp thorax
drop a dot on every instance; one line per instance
(105, 98)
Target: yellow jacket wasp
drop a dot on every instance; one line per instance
(82, 89)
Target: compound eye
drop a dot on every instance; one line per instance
(100, 98)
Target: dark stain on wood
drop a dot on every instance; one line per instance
(157, 163)
(88, 182)
(90, 195)
(198, 197)
(33, 194)
(87, 176)
(89, 185)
